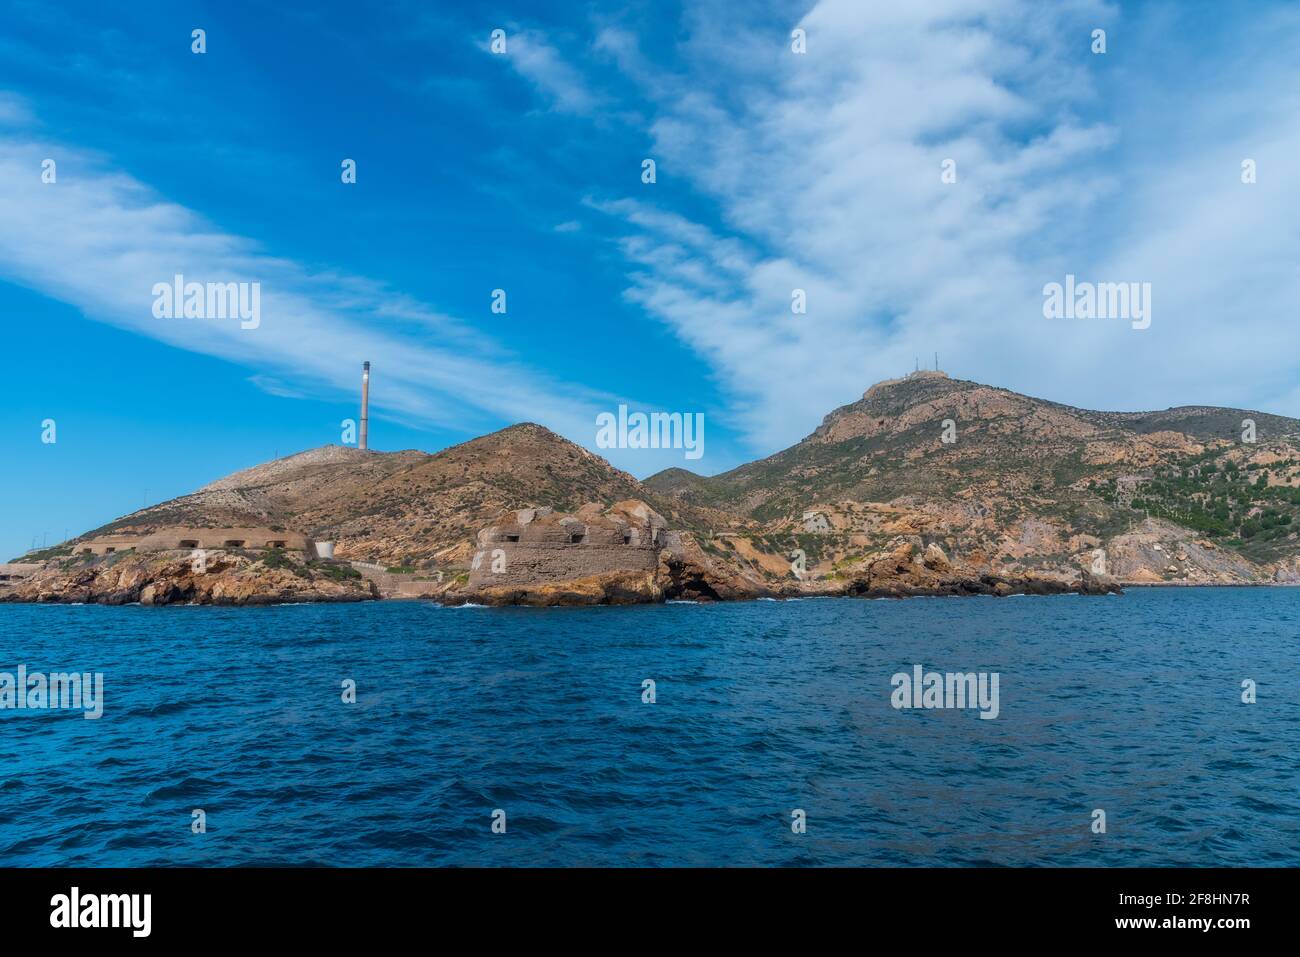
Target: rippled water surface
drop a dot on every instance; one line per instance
(1129, 704)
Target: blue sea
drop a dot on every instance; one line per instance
(1131, 704)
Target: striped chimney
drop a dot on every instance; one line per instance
(365, 405)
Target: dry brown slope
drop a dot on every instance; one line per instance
(1026, 483)
(402, 508)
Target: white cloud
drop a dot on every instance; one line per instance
(535, 59)
(272, 386)
(824, 170)
(100, 240)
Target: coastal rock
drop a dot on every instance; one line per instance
(686, 573)
(618, 588)
(897, 575)
(162, 579)
(935, 559)
(1090, 584)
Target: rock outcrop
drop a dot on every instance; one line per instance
(615, 588)
(167, 579)
(900, 574)
(687, 573)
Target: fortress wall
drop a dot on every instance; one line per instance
(16, 571)
(416, 589)
(530, 563)
(190, 538)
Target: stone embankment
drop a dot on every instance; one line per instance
(399, 584)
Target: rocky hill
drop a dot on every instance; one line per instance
(401, 508)
(926, 484)
(1014, 483)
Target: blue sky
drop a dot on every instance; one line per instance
(522, 171)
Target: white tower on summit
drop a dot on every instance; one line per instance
(365, 406)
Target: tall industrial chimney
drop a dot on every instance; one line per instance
(365, 405)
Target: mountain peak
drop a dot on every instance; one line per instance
(920, 375)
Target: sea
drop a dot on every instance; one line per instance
(746, 734)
